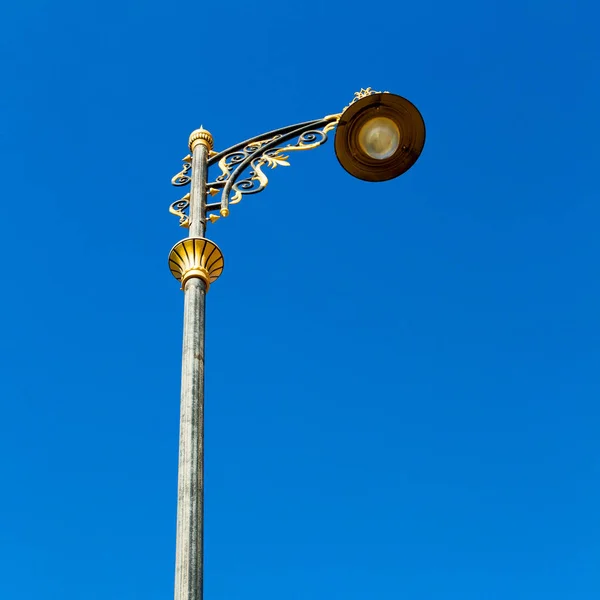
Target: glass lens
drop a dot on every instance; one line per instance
(379, 138)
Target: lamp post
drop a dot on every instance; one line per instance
(378, 137)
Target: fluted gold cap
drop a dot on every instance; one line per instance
(196, 257)
(201, 136)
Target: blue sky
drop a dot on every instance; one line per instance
(402, 378)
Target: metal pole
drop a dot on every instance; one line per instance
(190, 502)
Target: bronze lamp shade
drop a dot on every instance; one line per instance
(379, 137)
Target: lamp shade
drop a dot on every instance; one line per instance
(379, 137)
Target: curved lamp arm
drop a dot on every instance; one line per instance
(249, 158)
(268, 151)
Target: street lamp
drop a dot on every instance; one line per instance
(378, 137)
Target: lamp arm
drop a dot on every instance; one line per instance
(259, 152)
(217, 156)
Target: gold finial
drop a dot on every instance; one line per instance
(224, 212)
(364, 92)
(201, 136)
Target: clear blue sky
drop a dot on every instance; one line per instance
(402, 378)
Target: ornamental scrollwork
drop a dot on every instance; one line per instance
(270, 152)
(182, 178)
(178, 209)
(230, 161)
(278, 157)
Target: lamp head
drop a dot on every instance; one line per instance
(379, 137)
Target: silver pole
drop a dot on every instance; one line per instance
(189, 555)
